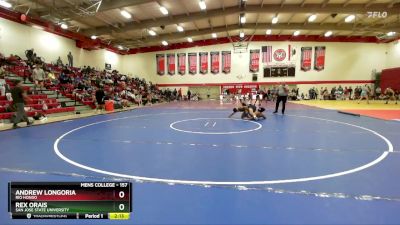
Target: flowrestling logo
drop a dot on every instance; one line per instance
(376, 14)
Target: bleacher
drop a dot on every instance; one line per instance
(61, 97)
(36, 102)
(35, 105)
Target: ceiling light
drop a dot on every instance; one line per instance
(5, 4)
(296, 33)
(214, 35)
(349, 18)
(268, 32)
(164, 43)
(328, 34)
(190, 39)
(152, 33)
(312, 18)
(93, 37)
(64, 26)
(126, 14)
(242, 19)
(241, 34)
(275, 20)
(391, 33)
(202, 5)
(180, 28)
(164, 10)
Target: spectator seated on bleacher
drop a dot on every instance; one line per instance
(119, 102)
(64, 78)
(292, 96)
(39, 116)
(59, 61)
(12, 60)
(52, 80)
(3, 74)
(194, 97)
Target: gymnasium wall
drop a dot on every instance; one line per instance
(393, 54)
(344, 61)
(15, 38)
(139, 65)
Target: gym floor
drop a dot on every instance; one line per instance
(190, 164)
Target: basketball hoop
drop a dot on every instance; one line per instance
(240, 47)
(90, 9)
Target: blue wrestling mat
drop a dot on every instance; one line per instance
(191, 164)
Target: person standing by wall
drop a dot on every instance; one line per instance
(282, 93)
(70, 59)
(100, 95)
(189, 94)
(378, 92)
(18, 95)
(180, 94)
(364, 94)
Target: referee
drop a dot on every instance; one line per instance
(283, 91)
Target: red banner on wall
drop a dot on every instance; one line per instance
(171, 63)
(181, 63)
(226, 61)
(160, 58)
(254, 60)
(214, 62)
(319, 58)
(306, 55)
(192, 58)
(203, 62)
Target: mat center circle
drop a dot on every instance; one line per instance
(215, 126)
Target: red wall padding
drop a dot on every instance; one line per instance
(390, 78)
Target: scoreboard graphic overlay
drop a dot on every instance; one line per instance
(72, 200)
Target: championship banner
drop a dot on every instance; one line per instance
(171, 63)
(203, 62)
(181, 63)
(226, 61)
(306, 55)
(214, 62)
(192, 58)
(254, 60)
(160, 58)
(319, 58)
